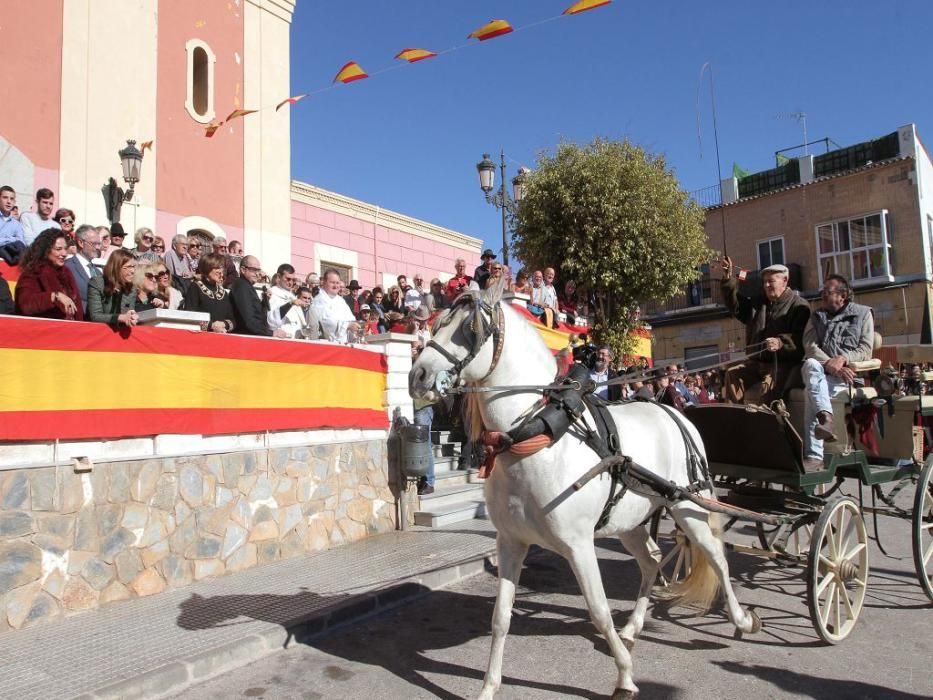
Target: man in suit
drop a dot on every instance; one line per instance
(82, 269)
(603, 372)
(249, 316)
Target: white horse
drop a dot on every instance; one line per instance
(531, 499)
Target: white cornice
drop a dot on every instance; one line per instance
(283, 9)
(341, 204)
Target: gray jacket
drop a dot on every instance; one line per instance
(105, 308)
(849, 333)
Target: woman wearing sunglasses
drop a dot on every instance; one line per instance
(164, 289)
(66, 219)
(158, 246)
(143, 252)
(144, 288)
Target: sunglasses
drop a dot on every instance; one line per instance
(162, 273)
(194, 245)
(148, 239)
(150, 276)
(159, 247)
(250, 269)
(65, 220)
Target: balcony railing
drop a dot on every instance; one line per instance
(705, 293)
(708, 196)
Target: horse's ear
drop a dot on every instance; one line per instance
(493, 292)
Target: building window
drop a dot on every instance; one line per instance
(771, 252)
(345, 271)
(200, 81)
(856, 248)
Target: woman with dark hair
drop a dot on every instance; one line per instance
(207, 294)
(66, 219)
(46, 287)
(110, 296)
(521, 284)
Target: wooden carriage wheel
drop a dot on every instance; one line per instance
(922, 527)
(837, 570)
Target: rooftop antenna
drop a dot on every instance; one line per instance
(801, 118)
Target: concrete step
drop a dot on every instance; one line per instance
(443, 437)
(448, 449)
(453, 513)
(446, 494)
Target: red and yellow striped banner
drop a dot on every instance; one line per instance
(491, 30)
(69, 380)
(414, 55)
(351, 71)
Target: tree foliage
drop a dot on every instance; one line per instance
(612, 217)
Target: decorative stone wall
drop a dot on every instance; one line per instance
(71, 542)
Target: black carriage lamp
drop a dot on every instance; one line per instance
(132, 161)
(501, 200)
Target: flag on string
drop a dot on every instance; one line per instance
(145, 145)
(290, 101)
(584, 5)
(781, 159)
(415, 55)
(237, 113)
(212, 128)
(490, 30)
(350, 72)
(738, 173)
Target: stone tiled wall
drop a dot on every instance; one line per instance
(71, 542)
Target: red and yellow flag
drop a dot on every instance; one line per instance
(584, 5)
(415, 55)
(290, 101)
(145, 145)
(490, 30)
(350, 72)
(237, 113)
(212, 128)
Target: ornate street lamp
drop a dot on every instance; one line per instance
(132, 161)
(501, 200)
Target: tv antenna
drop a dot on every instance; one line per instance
(801, 118)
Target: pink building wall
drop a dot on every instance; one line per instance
(379, 249)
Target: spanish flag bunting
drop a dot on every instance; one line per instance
(145, 145)
(584, 5)
(237, 113)
(212, 128)
(290, 101)
(490, 30)
(415, 55)
(350, 72)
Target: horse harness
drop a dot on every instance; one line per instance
(563, 409)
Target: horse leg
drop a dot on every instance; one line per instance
(646, 552)
(694, 521)
(585, 567)
(510, 554)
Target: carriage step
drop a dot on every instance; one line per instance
(450, 514)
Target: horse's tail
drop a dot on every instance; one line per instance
(701, 585)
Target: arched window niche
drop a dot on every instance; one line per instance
(199, 100)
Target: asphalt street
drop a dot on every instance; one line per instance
(437, 647)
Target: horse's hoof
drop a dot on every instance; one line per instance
(756, 622)
(623, 694)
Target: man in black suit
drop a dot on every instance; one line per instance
(82, 269)
(603, 372)
(249, 316)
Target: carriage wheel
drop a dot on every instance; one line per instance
(837, 570)
(923, 528)
(676, 562)
(798, 541)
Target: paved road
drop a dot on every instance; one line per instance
(437, 647)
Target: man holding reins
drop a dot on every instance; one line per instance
(774, 324)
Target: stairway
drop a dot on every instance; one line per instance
(458, 495)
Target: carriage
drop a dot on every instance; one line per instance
(817, 520)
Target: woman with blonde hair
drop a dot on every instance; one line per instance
(110, 296)
(144, 288)
(165, 290)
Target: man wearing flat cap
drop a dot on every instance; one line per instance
(481, 275)
(774, 324)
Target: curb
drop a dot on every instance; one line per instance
(177, 676)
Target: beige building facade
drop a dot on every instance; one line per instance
(865, 211)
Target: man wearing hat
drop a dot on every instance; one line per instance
(353, 298)
(481, 274)
(774, 324)
(117, 234)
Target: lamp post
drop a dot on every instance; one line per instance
(131, 160)
(501, 199)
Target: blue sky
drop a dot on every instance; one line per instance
(409, 139)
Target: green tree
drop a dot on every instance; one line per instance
(612, 217)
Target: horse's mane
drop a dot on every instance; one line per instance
(519, 333)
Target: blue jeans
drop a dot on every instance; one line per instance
(819, 389)
(425, 416)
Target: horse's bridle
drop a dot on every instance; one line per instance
(485, 320)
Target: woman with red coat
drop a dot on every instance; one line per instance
(45, 287)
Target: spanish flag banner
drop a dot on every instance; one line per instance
(237, 113)
(290, 101)
(414, 55)
(350, 72)
(71, 380)
(585, 5)
(490, 30)
(212, 128)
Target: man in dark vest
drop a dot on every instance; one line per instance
(249, 316)
(774, 322)
(839, 332)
